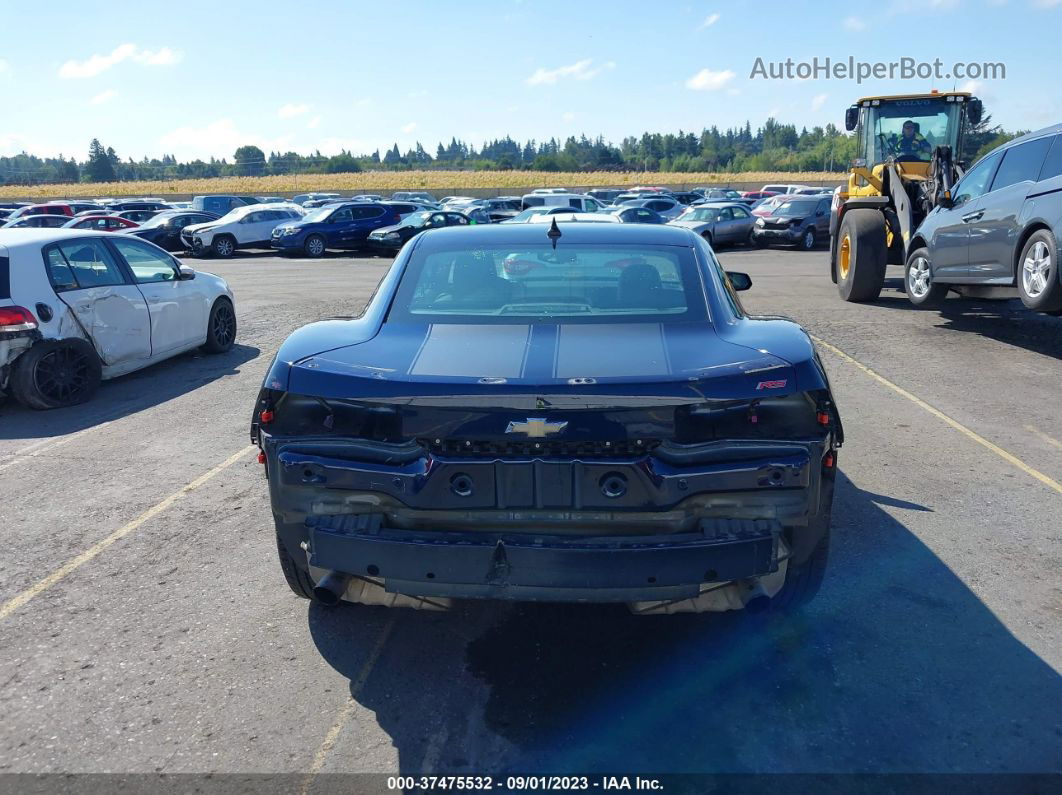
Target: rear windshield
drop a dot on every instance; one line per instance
(535, 283)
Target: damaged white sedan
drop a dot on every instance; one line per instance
(78, 307)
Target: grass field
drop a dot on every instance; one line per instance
(387, 181)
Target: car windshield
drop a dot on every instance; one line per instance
(528, 214)
(575, 283)
(418, 219)
(700, 214)
(318, 215)
(157, 220)
(794, 208)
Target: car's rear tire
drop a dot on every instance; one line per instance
(298, 579)
(221, 327)
(223, 246)
(803, 580)
(314, 246)
(1037, 273)
(861, 254)
(922, 291)
(56, 374)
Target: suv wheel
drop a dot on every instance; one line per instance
(223, 246)
(918, 281)
(55, 374)
(314, 246)
(807, 242)
(1038, 280)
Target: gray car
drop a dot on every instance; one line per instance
(997, 236)
(802, 221)
(669, 208)
(719, 223)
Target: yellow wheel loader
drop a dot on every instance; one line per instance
(906, 164)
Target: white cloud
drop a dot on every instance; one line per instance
(104, 96)
(408, 128)
(97, 64)
(580, 70)
(854, 24)
(707, 80)
(3, 66)
(217, 139)
(568, 117)
(1046, 3)
(313, 123)
(973, 86)
(291, 110)
(709, 20)
(818, 101)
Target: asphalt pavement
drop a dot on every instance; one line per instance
(146, 627)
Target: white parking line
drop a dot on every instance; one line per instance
(1010, 458)
(13, 604)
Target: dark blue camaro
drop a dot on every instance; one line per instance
(582, 413)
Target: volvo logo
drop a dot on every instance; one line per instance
(536, 427)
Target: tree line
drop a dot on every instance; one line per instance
(773, 147)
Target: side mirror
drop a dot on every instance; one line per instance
(851, 118)
(974, 109)
(945, 200)
(186, 272)
(739, 281)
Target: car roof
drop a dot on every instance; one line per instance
(1053, 129)
(523, 234)
(542, 218)
(35, 237)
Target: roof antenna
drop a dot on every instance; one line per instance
(554, 232)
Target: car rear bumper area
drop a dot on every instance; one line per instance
(529, 567)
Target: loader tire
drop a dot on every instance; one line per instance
(861, 255)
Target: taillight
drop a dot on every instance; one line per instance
(16, 318)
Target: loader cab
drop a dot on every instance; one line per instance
(907, 129)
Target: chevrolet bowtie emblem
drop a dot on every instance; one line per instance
(536, 427)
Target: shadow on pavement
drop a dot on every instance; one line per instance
(896, 667)
(126, 394)
(1006, 321)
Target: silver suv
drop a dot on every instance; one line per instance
(998, 235)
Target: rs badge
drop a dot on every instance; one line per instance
(771, 384)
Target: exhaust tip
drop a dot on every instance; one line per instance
(329, 591)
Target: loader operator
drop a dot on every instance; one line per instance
(911, 143)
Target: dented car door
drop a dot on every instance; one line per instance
(98, 303)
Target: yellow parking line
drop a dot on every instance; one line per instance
(1011, 459)
(13, 604)
(1049, 439)
(347, 710)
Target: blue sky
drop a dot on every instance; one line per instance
(197, 79)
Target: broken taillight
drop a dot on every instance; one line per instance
(16, 318)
